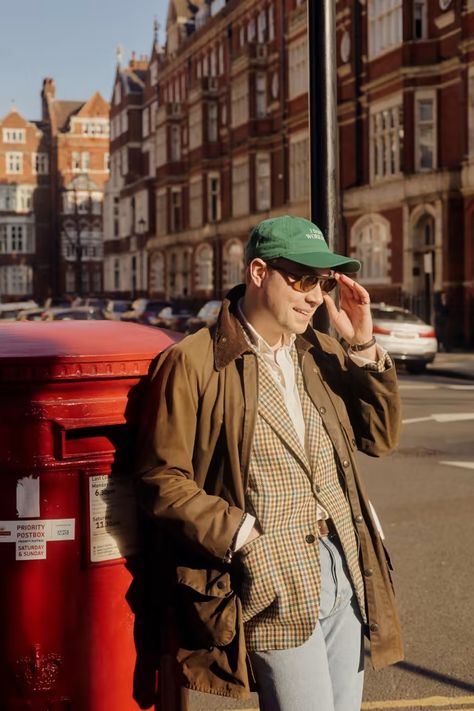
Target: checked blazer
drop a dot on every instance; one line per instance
(282, 582)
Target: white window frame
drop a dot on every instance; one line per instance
(204, 267)
(233, 264)
(176, 214)
(213, 197)
(212, 121)
(240, 187)
(175, 143)
(298, 67)
(14, 135)
(420, 12)
(385, 25)
(299, 166)
(195, 127)
(40, 163)
(428, 125)
(260, 95)
(157, 272)
(263, 180)
(161, 212)
(384, 161)
(370, 237)
(195, 201)
(240, 100)
(14, 163)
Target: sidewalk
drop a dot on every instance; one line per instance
(453, 365)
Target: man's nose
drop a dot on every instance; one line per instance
(315, 296)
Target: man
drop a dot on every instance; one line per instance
(272, 559)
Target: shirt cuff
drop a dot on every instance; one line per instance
(244, 532)
(362, 362)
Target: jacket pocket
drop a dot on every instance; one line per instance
(207, 607)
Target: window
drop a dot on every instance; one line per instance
(251, 29)
(195, 203)
(195, 127)
(425, 131)
(161, 152)
(240, 188)
(124, 122)
(14, 163)
(95, 128)
(221, 59)
(262, 27)
(204, 268)
(271, 22)
(14, 135)
(298, 68)
(233, 264)
(370, 237)
(213, 197)
(40, 163)
(16, 238)
(386, 140)
(176, 219)
(157, 272)
(212, 127)
(85, 161)
(107, 162)
(16, 280)
(76, 162)
(161, 213)
(420, 29)
(240, 100)
(299, 167)
(385, 25)
(261, 95)
(145, 122)
(175, 143)
(213, 61)
(263, 181)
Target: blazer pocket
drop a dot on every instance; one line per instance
(257, 589)
(208, 606)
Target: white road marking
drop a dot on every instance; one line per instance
(442, 417)
(438, 701)
(460, 387)
(464, 465)
(419, 386)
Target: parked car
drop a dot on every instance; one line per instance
(115, 308)
(74, 313)
(144, 310)
(405, 336)
(10, 310)
(174, 320)
(31, 314)
(206, 316)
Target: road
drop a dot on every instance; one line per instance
(424, 496)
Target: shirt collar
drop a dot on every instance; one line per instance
(259, 343)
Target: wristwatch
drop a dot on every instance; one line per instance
(363, 346)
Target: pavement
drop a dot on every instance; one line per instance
(455, 365)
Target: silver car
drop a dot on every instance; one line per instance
(405, 336)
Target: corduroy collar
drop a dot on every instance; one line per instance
(229, 338)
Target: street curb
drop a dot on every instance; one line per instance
(447, 373)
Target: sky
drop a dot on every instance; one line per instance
(73, 42)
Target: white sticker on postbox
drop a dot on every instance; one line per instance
(31, 550)
(30, 537)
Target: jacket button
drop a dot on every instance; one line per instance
(322, 410)
(374, 627)
(359, 518)
(223, 339)
(220, 584)
(310, 538)
(345, 463)
(353, 442)
(317, 488)
(368, 572)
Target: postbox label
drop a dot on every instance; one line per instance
(112, 518)
(30, 537)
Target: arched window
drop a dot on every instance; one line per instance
(371, 236)
(204, 268)
(233, 264)
(157, 272)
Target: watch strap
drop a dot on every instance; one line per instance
(363, 346)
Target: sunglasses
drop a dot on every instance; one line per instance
(307, 282)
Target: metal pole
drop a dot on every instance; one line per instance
(324, 151)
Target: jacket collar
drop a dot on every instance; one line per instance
(230, 341)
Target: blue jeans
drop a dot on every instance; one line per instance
(326, 673)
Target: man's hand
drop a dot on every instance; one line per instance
(353, 319)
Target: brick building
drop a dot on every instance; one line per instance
(228, 144)
(52, 176)
(25, 208)
(79, 161)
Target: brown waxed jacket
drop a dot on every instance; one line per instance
(192, 476)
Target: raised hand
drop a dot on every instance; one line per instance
(353, 319)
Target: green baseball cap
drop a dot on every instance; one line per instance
(298, 240)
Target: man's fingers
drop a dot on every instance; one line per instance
(357, 291)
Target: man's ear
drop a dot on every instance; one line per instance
(257, 271)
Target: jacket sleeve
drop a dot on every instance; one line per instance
(371, 398)
(165, 476)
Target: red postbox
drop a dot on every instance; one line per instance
(66, 515)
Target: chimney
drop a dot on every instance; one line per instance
(49, 91)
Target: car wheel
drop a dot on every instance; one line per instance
(416, 368)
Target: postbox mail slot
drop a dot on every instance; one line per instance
(86, 442)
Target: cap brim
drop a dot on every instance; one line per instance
(326, 260)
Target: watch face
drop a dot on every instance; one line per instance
(345, 47)
(444, 4)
